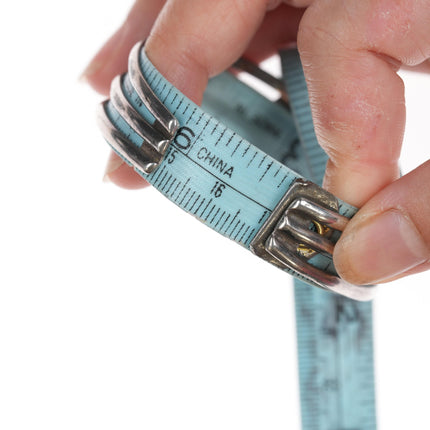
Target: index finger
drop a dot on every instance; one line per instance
(194, 40)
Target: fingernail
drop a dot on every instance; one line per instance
(113, 164)
(380, 248)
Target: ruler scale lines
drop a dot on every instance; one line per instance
(171, 185)
(163, 89)
(265, 172)
(228, 216)
(196, 139)
(195, 201)
(262, 160)
(237, 146)
(204, 210)
(231, 222)
(243, 235)
(262, 217)
(151, 76)
(184, 197)
(246, 150)
(186, 183)
(219, 178)
(220, 137)
(249, 236)
(282, 181)
(219, 220)
(209, 213)
(230, 139)
(170, 177)
(186, 204)
(200, 117)
(174, 98)
(205, 126)
(179, 105)
(159, 173)
(191, 116)
(156, 84)
(167, 95)
(200, 205)
(233, 186)
(215, 215)
(252, 159)
(238, 232)
(234, 228)
(276, 174)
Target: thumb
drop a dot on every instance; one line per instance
(390, 235)
(351, 52)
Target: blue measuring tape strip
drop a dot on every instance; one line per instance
(334, 333)
(235, 187)
(242, 190)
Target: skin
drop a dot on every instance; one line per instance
(351, 51)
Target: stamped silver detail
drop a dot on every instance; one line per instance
(156, 136)
(288, 231)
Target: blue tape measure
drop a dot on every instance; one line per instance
(204, 161)
(334, 333)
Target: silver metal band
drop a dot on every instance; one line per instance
(287, 239)
(304, 225)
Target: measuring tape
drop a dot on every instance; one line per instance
(246, 192)
(334, 333)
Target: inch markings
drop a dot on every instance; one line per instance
(234, 186)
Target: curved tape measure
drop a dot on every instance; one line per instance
(242, 190)
(245, 192)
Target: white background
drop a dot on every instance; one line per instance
(117, 310)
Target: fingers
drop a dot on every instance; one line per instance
(111, 60)
(278, 30)
(195, 39)
(192, 40)
(351, 51)
(118, 172)
(390, 235)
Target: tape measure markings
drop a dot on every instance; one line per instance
(241, 188)
(222, 180)
(224, 228)
(296, 88)
(334, 334)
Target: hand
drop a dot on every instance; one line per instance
(351, 51)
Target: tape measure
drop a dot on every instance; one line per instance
(203, 160)
(334, 333)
